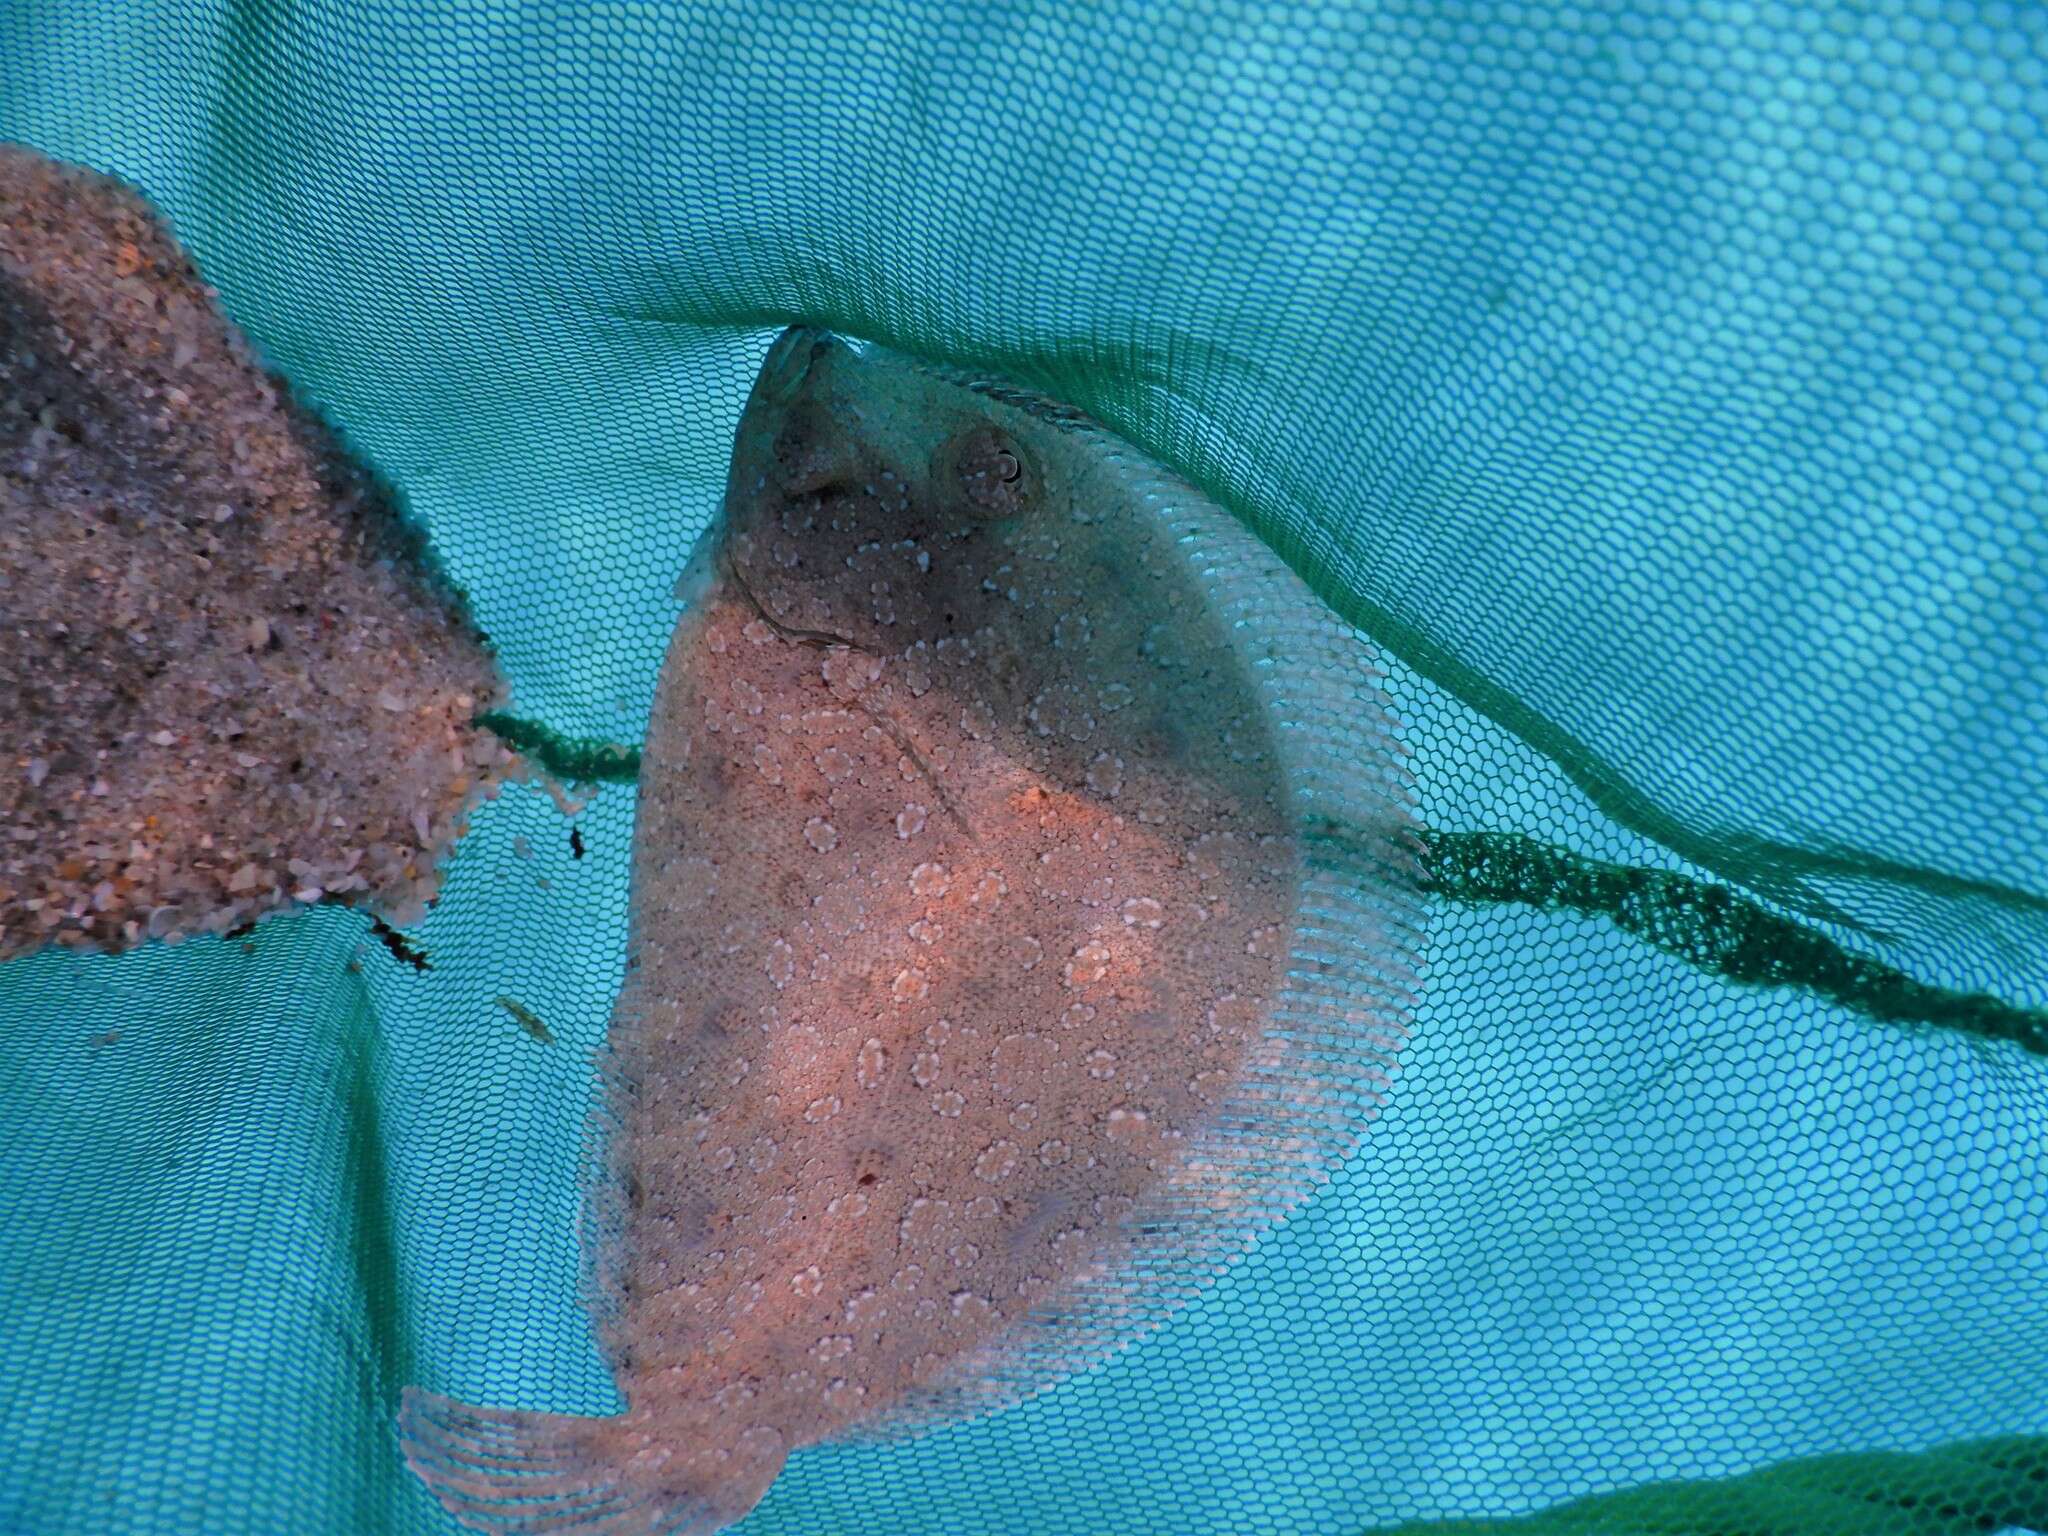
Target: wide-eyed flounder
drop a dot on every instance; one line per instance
(1022, 919)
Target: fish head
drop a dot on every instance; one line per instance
(868, 493)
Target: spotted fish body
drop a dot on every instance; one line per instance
(1021, 922)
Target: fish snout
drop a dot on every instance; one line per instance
(788, 362)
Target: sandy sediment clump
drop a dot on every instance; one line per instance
(228, 680)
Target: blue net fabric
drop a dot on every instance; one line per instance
(1663, 394)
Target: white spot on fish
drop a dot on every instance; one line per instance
(872, 1063)
(1090, 964)
(1143, 912)
(1123, 1124)
(848, 673)
(1106, 775)
(997, 1161)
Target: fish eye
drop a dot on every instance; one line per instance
(986, 472)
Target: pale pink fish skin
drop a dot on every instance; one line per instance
(966, 882)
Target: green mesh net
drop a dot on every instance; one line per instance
(1662, 394)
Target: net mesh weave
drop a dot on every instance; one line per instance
(1663, 394)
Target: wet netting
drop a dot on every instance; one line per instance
(1661, 391)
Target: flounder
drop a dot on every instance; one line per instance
(1023, 918)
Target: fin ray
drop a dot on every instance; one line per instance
(505, 1471)
(511, 1472)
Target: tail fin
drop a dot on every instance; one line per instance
(514, 1473)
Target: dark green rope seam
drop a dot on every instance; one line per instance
(575, 760)
(1705, 924)
(1711, 928)
(1962, 1489)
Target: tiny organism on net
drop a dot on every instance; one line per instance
(527, 1020)
(576, 842)
(230, 680)
(990, 985)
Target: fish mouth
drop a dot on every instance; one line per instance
(789, 361)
